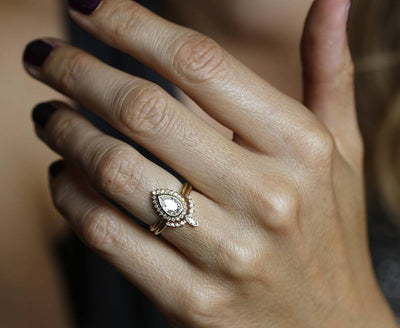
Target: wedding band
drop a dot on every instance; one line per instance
(174, 209)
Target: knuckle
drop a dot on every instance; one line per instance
(98, 229)
(284, 208)
(204, 308)
(240, 260)
(198, 58)
(71, 69)
(320, 146)
(146, 112)
(118, 171)
(277, 205)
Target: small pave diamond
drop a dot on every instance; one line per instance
(192, 221)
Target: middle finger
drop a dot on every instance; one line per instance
(147, 114)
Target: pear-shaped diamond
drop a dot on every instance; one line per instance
(171, 205)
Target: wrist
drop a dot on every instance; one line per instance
(369, 312)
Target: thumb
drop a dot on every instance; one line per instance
(328, 72)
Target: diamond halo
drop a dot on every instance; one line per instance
(173, 207)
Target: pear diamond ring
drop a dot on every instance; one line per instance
(174, 209)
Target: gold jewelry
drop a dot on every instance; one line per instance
(175, 209)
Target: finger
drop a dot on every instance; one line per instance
(147, 114)
(128, 178)
(258, 114)
(151, 264)
(328, 72)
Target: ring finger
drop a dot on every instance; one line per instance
(124, 175)
(153, 265)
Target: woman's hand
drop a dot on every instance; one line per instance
(282, 237)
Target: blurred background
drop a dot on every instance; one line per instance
(29, 283)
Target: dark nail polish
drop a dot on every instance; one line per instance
(37, 52)
(41, 114)
(56, 168)
(84, 6)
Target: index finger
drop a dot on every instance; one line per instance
(221, 85)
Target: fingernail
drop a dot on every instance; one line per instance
(41, 114)
(37, 52)
(84, 6)
(347, 13)
(348, 8)
(56, 168)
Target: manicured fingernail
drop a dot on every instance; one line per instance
(84, 6)
(41, 114)
(37, 52)
(56, 168)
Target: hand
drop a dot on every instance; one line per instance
(282, 236)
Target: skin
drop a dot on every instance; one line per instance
(264, 35)
(286, 245)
